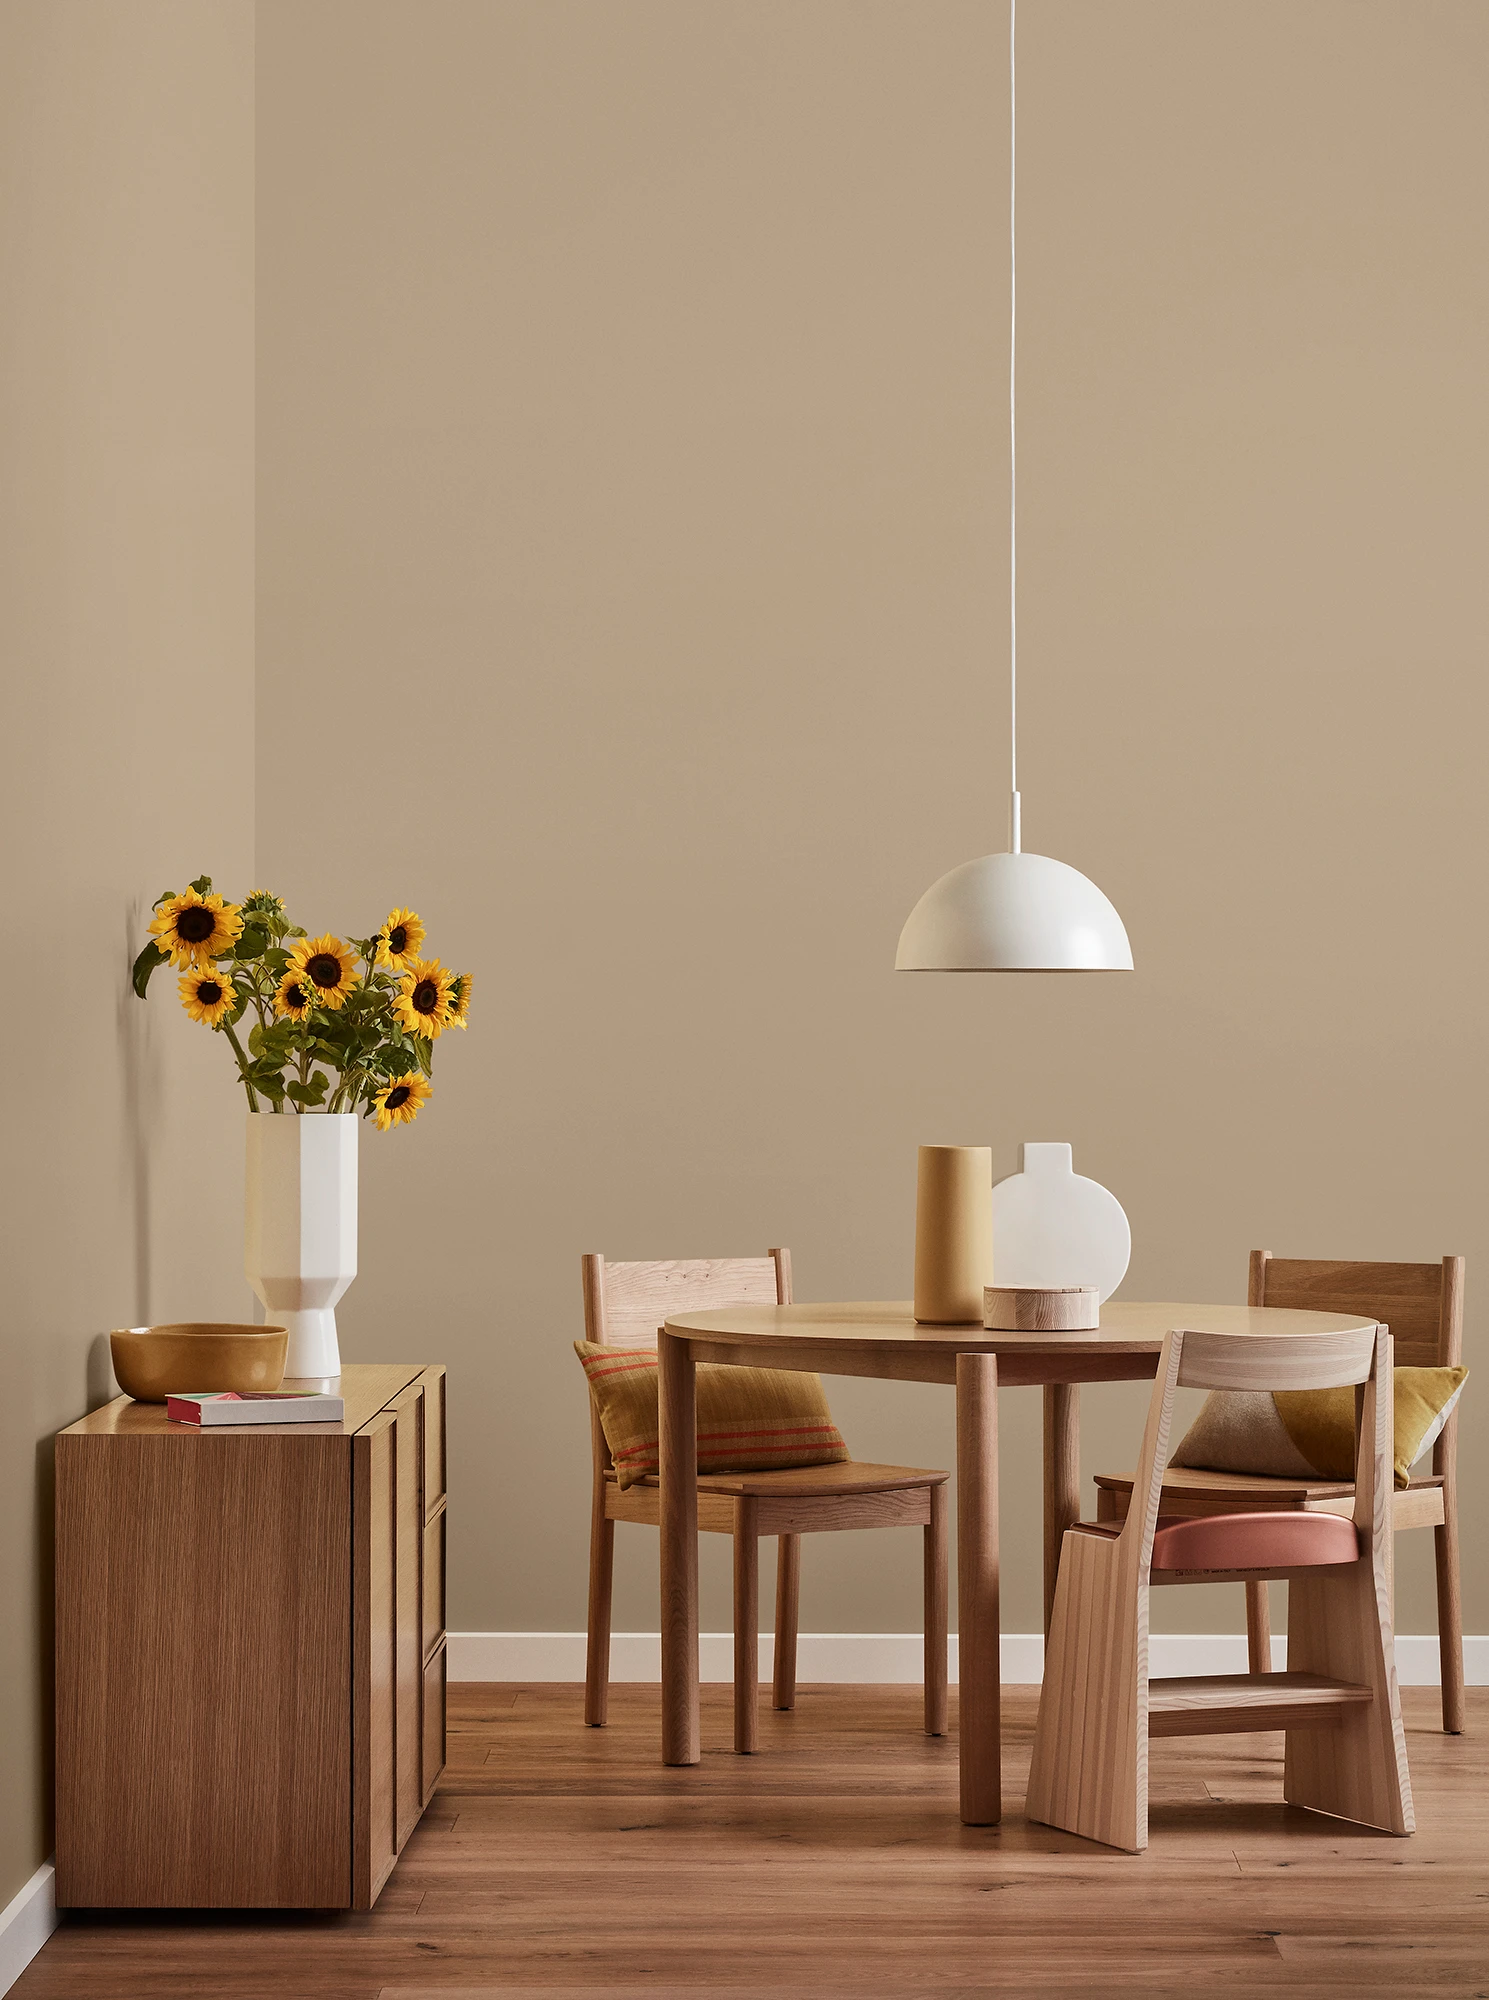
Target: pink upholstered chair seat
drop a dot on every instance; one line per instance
(1255, 1541)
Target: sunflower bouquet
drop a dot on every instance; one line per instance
(334, 1026)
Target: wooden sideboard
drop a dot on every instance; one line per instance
(250, 1650)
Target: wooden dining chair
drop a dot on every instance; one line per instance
(1422, 1304)
(625, 1305)
(1338, 1701)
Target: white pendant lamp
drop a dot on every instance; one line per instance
(1013, 912)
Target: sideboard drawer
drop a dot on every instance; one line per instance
(434, 1721)
(399, 1572)
(434, 1582)
(434, 1438)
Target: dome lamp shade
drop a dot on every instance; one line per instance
(1013, 913)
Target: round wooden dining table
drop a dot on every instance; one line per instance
(885, 1341)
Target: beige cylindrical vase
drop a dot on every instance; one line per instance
(953, 1234)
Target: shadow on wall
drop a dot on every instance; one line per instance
(140, 1083)
(99, 1372)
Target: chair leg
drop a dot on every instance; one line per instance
(1339, 1626)
(788, 1593)
(937, 1603)
(597, 1646)
(1089, 1772)
(1258, 1629)
(746, 1625)
(1450, 1612)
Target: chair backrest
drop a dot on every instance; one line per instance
(1324, 1360)
(1422, 1304)
(625, 1304)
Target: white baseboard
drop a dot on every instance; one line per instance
(875, 1658)
(26, 1922)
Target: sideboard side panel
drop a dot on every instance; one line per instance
(374, 1649)
(409, 1413)
(203, 1671)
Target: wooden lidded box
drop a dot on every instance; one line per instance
(250, 1650)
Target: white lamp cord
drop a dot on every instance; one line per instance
(1014, 833)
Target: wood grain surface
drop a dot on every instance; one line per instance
(203, 1669)
(977, 1586)
(408, 1414)
(250, 1665)
(1027, 1309)
(559, 1863)
(637, 1298)
(1128, 1326)
(375, 1659)
(1062, 1478)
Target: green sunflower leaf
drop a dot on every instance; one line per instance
(253, 943)
(145, 964)
(425, 1053)
(165, 896)
(202, 884)
(313, 1092)
(397, 1062)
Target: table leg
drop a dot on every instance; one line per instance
(677, 1375)
(1062, 1478)
(979, 1695)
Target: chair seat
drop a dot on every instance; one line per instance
(854, 1477)
(1291, 1540)
(1255, 1541)
(1189, 1489)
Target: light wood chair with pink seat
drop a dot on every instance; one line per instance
(1338, 1702)
(624, 1305)
(1422, 1305)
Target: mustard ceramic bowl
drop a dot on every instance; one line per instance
(153, 1362)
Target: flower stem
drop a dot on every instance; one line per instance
(253, 1103)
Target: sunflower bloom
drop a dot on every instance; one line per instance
(423, 1005)
(193, 930)
(207, 995)
(460, 1000)
(397, 1103)
(399, 940)
(326, 965)
(294, 997)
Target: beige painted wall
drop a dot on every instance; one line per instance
(632, 466)
(126, 662)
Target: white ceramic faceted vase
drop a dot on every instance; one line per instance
(300, 1239)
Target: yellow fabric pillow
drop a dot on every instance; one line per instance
(749, 1419)
(1310, 1433)
(1321, 1422)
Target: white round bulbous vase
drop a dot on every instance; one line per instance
(300, 1235)
(1054, 1229)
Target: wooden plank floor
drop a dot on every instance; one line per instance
(562, 1862)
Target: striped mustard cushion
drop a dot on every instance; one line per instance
(749, 1419)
